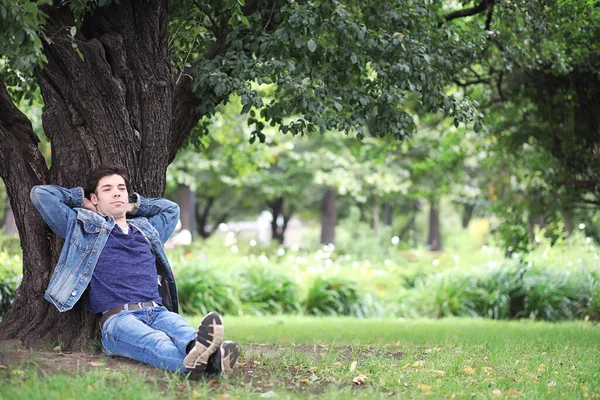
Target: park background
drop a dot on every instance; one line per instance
(365, 189)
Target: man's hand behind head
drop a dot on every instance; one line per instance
(87, 204)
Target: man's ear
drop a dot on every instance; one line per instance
(94, 199)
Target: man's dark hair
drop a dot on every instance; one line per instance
(94, 177)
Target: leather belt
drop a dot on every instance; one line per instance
(128, 307)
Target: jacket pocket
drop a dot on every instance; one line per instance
(84, 236)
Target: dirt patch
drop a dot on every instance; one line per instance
(12, 354)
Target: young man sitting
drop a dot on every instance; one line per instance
(122, 263)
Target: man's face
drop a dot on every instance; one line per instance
(111, 196)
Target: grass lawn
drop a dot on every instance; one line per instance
(300, 357)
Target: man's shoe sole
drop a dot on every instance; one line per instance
(208, 340)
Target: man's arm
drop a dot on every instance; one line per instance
(55, 204)
(163, 214)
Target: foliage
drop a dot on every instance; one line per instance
(202, 290)
(10, 274)
(267, 291)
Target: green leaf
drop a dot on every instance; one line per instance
(73, 31)
(3, 11)
(80, 54)
(19, 37)
(298, 42)
(312, 46)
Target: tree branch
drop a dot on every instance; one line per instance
(467, 12)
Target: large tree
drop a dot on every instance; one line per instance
(130, 81)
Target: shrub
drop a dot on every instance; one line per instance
(267, 291)
(335, 296)
(499, 293)
(202, 290)
(548, 296)
(10, 278)
(587, 302)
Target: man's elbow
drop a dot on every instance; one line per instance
(35, 194)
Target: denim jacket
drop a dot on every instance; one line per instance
(86, 232)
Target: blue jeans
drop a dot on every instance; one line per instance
(152, 335)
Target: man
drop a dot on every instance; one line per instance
(122, 263)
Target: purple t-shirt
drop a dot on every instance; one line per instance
(125, 272)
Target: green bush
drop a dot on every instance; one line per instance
(10, 278)
(267, 291)
(202, 290)
(337, 296)
(588, 300)
(499, 293)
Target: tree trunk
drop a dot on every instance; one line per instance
(387, 213)
(187, 206)
(277, 210)
(10, 225)
(568, 218)
(376, 211)
(114, 106)
(202, 214)
(535, 220)
(434, 241)
(467, 214)
(328, 217)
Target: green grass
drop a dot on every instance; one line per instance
(302, 357)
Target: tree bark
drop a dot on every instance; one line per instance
(376, 221)
(202, 214)
(277, 210)
(328, 217)
(434, 240)
(467, 214)
(186, 199)
(568, 219)
(387, 213)
(107, 108)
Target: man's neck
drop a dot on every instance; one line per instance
(121, 221)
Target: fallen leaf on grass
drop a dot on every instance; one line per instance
(497, 393)
(223, 396)
(424, 387)
(487, 370)
(97, 363)
(17, 372)
(438, 372)
(303, 380)
(512, 392)
(353, 366)
(541, 368)
(337, 364)
(551, 383)
(57, 349)
(195, 394)
(418, 364)
(469, 370)
(359, 380)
